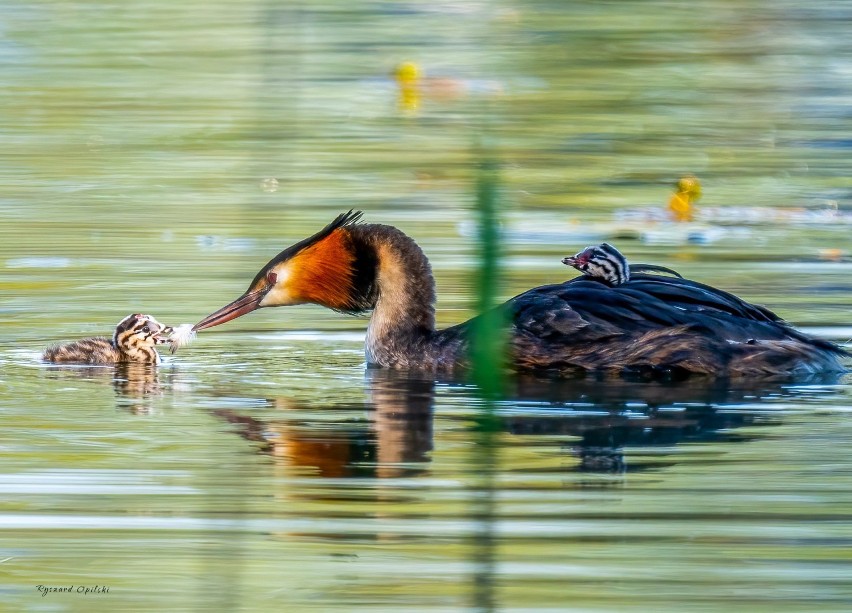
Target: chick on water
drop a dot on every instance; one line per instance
(134, 340)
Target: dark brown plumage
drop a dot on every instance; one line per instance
(134, 340)
(644, 323)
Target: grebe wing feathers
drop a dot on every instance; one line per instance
(625, 307)
(639, 268)
(584, 325)
(585, 309)
(738, 319)
(546, 314)
(590, 326)
(691, 295)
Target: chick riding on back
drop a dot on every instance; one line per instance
(607, 263)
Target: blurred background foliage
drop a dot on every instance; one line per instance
(176, 146)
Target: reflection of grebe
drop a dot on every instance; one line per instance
(651, 324)
(134, 340)
(395, 442)
(597, 421)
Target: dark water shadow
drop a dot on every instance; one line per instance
(609, 416)
(391, 435)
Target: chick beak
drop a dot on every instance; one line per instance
(578, 260)
(162, 337)
(246, 303)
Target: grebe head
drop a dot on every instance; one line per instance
(603, 262)
(139, 332)
(329, 268)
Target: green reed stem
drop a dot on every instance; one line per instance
(487, 356)
(488, 342)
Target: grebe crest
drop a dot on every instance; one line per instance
(134, 340)
(330, 268)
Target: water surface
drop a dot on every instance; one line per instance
(156, 155)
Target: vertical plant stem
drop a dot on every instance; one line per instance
(487, 356)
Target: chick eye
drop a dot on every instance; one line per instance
(271, 277)
(146, 329)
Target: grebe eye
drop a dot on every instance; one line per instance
(145, 328)
(271, 278)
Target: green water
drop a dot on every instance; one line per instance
(157, 154)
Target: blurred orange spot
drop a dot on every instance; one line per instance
(831, 254)
(688, 191)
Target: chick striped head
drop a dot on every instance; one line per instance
(139, 330)
(603, 262)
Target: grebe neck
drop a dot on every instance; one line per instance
(403, 319)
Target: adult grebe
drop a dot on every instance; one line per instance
(607, 263)
(134, 340)
(650, 324)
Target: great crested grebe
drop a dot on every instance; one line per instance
(650, 324)
(134, 340)
(607, 263)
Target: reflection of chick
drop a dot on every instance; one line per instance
(134, 340)
(136, 380)
(688, 191)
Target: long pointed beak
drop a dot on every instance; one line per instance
(246, 303)
(570, 261)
